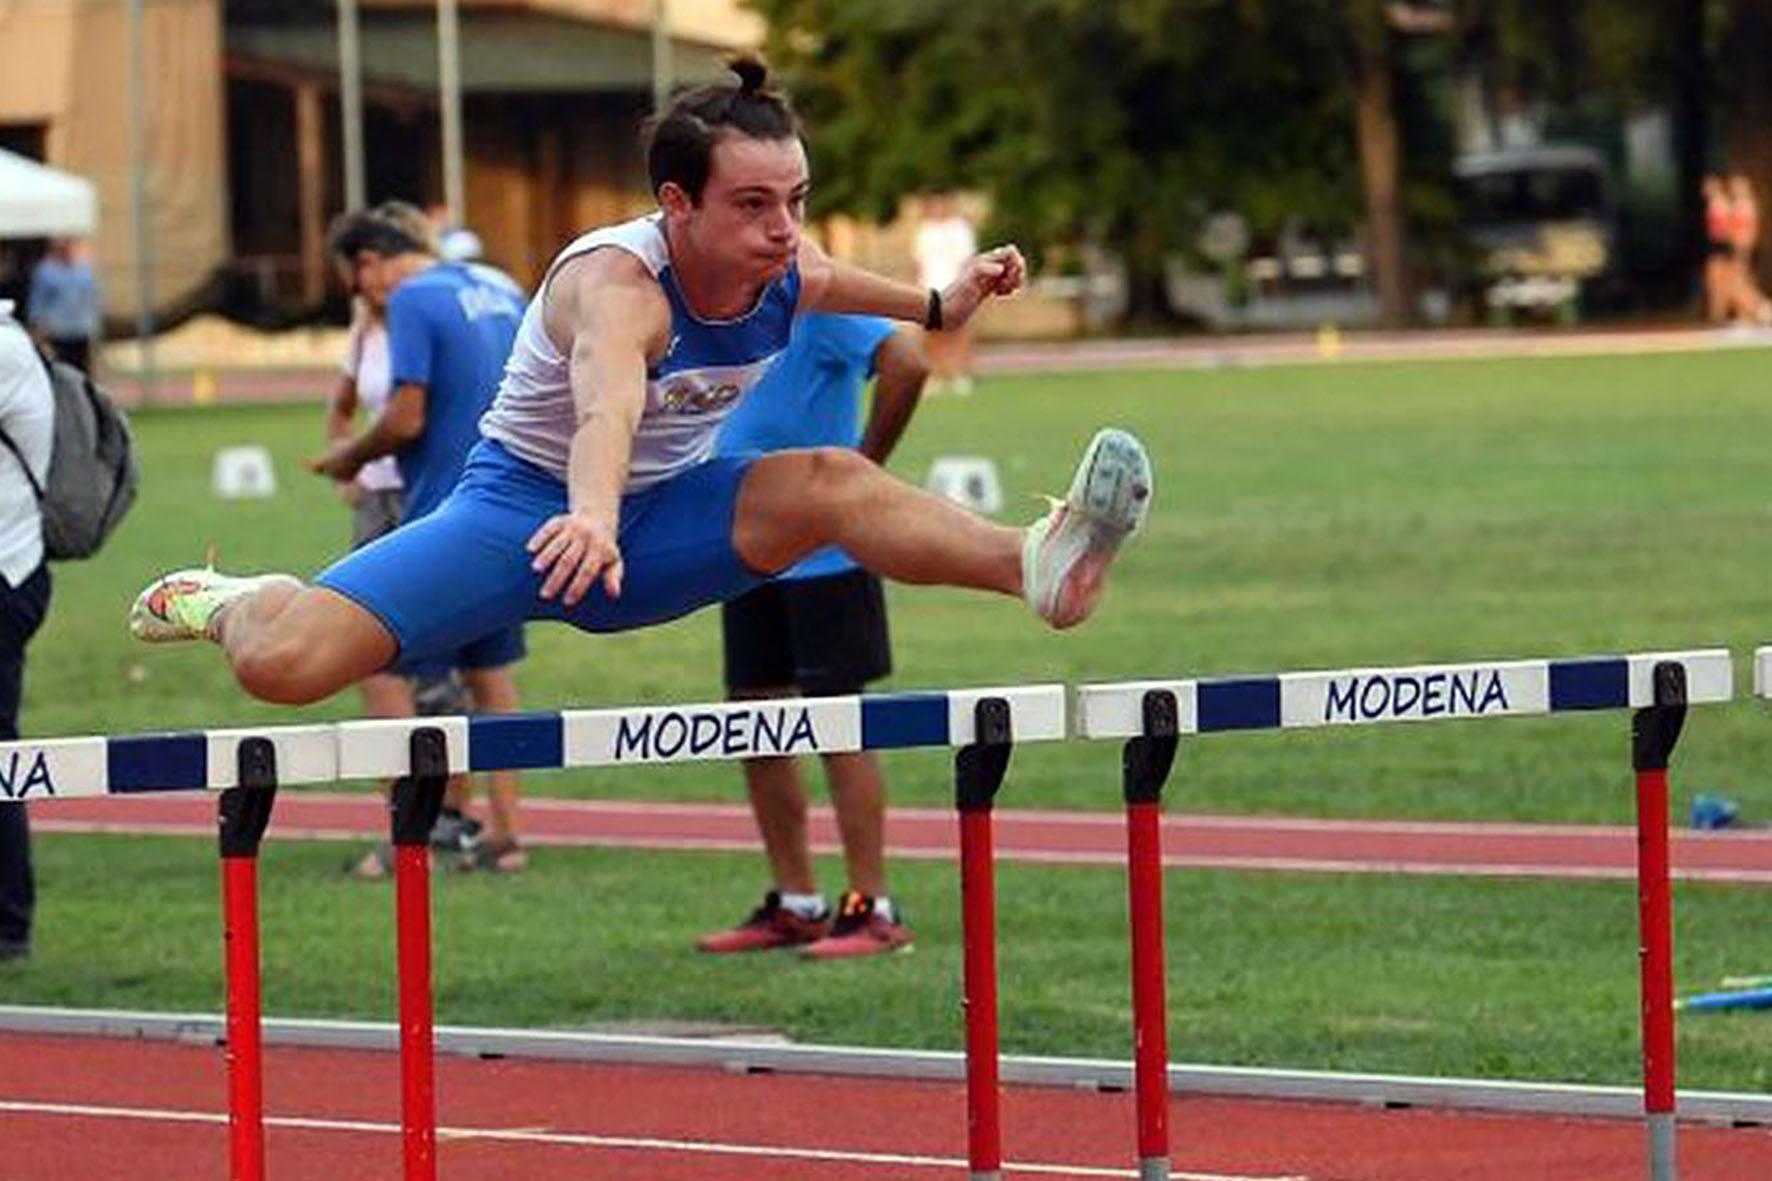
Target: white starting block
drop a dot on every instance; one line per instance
(969, 480)
(242, 473)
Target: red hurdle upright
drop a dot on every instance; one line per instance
(1145, 765)
(1654, 731)
(242, 816)
(414, 805)
(978, 773)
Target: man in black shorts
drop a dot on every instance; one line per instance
(820, 629)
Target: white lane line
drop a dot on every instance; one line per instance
(582, 1140)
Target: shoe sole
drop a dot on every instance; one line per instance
(1112, 487)
(755, 947)
(1110, 496)
(806, 953)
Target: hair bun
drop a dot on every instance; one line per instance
(751, 71)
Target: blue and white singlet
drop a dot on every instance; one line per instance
(689, 392)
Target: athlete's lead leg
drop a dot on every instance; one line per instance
(793, 502)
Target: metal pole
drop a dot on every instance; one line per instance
(661, 55)
(140, 213)
(449, 95)
(242, 816)
(413, 807)
(350, 101)
(978, 773)
(1145, 765)
(1654, 731)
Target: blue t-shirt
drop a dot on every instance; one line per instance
(64, 302)
(811, 397)
(450, 329)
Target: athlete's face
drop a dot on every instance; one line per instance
(753, 207)
(371, 275)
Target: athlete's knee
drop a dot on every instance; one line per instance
(829, 478)
(837, 467)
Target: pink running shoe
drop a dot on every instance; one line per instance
(769, 927)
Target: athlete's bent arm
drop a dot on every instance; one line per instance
(828, 285)
(399, 423)
(606, 313)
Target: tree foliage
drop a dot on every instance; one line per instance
(1126, 122)
(1129, 122)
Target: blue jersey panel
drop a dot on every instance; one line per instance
(450, 329)
(755, 336)
(811, 397)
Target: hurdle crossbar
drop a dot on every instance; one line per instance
(206, 760)
(1374, 696)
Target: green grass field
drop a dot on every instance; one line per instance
(1312, 517)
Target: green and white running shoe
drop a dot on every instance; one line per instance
(183, 604)
(1065, 557)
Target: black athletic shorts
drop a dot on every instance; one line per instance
(825, 636)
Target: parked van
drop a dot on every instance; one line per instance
(1544, 224)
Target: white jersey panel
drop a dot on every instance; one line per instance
(689, 392)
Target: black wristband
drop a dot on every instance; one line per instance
(932, 313)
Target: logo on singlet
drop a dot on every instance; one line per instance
(688, 396)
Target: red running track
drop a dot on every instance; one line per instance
(77, 1108)
(1091, 838)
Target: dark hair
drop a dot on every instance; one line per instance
(680, 143)
(377, 230)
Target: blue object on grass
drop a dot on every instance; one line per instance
(1710, 811)
(1749, 998)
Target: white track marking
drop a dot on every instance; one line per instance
(583, 1140)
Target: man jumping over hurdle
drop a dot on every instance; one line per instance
(593, 498)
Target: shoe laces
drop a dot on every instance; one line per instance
(852, 914)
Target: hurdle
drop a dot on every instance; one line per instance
(1150, 715)
(247, 765)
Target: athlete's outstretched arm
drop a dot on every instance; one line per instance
(831, 286)
(604, 310)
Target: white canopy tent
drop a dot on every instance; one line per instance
(41, 202)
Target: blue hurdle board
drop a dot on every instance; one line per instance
(685, 733)
(1371, 696)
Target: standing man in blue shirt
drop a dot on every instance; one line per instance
(819, 628)
(450, 328)
(63, 307)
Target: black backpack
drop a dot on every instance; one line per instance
(92, 473)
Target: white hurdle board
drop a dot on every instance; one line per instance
(1763, 671)
(1372, 696)
(713, 731)
(204, 760)
(207, 760)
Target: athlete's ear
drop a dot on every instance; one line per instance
(674, 199)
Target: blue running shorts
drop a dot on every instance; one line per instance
(463, 572)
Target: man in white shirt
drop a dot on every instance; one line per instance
(27, 427)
